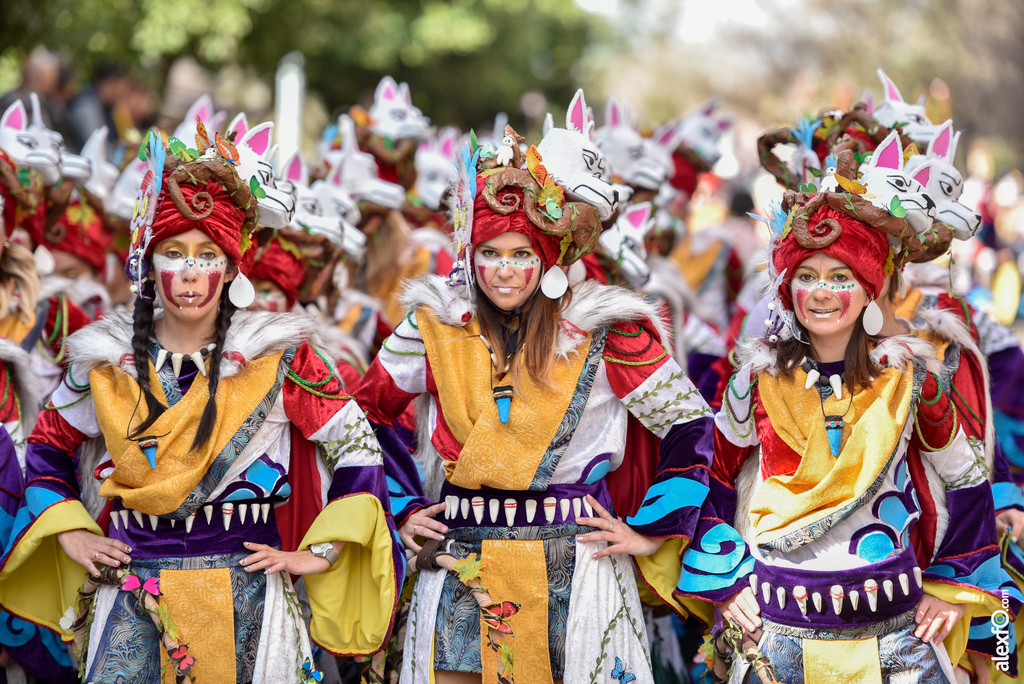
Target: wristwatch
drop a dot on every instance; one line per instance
(325, 550)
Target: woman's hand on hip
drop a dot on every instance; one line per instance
(621, 537)
(92, 550)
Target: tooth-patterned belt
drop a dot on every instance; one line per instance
(212, 529)
(558, 505)
(840, 598)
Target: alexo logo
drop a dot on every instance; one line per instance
(1001, 630)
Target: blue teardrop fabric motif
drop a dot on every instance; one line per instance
(148, 447)
(834, 431)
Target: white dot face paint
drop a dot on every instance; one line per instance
(824, 293)
(189, 274)
(507, 269)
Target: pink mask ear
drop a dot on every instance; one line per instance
(637, 216)
(425, 146)
(258, 139)
(403, 90)
(447, 147)
(577, 114)
(334, 177)
(612, 116)
(388, 93)
(889, 154)
(294, 169)
(15, 117)
(667, 135)
(205, 113)
(923, 175)
(892, 93)
(723, 124)
(710, 107)
(939, 146)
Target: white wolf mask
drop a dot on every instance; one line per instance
(894, 110)
(104, 174)
(624, 243)
(393, 114)
(37, 147)
(310, 216)
(434, 159)
(203, 109)
(356, 171)
(700, 131)
(627, 152)
(946, 184)
(121, 202)
(254, 154)
(575, 162)
(884, 177)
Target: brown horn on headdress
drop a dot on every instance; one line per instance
(934, 242)
(846, 163)
(858, 116)
(770, 161)
(201, 205)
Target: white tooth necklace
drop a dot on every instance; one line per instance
(198, 358)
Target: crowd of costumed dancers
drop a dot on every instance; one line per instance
(437, 406)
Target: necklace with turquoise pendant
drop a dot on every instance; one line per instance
(503, 393)
(831, 385)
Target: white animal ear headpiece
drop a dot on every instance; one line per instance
(15, 117)
(239, 126)
(578, 116)
(889, 89)
(201, 108)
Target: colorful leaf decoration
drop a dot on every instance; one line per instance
(851, 186)
(142, 147)
(809, 188)
(896, 207)
(469, 568)
(257, 191)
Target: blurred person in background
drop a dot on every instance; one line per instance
(95, 105)
(41, 75)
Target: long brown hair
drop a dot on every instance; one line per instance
(536, 351)
(18, 271)
(858, 368)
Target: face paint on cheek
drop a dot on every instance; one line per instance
(528, 276)
(801, 296)
(211, 290)
(166, 280)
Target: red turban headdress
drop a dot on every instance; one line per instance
(488, 224)
(212, 209)
(277, 265)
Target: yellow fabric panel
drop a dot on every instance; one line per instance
(504, 456)
(40, 581)
(178, 467)
(12, 328)
(823, 484)
(696, 267)
(353, 601)
(850, 661)
(908, 306)
(388, 295)
(203, 609)
(979, 604)
(516, 571)
(661, 571)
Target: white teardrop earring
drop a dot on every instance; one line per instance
(44, 260)
(241, 292)
(872, 320)
(554, 283)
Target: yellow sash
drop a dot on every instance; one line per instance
(822, 485)
(14, 329)
(178, 468)
(696, 267)
(505, 456)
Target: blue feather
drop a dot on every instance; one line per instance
(804, 131)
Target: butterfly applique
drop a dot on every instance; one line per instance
(496, 614)
(152, 585)
(310, 673)
(202, 137)
(619, 672)
(184, 660)
(227, 149)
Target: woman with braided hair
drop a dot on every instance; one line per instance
(195, 403)
(526, 574)
(823, 428)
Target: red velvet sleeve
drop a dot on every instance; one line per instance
(311, 400)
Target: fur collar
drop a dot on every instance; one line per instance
(253, 334)
(593, 306)
(27, 385)
(897, 351)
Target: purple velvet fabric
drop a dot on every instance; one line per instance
(357, 480)
(699, 368)
(47, 466)
(972, 526)
(1006, 370)
(404, 485)
(849, 580)
(204, 539)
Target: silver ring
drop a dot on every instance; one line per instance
(611, 524)
(414, 528)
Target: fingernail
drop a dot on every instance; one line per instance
(127, 559)
(116, 564)
(128, 550)
(594, 556)
(245, 543)
(445, 530)
(267, 571)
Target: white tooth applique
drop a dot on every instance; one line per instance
(549, 508)
(138, 518)
(887, 586)
(265, 509)
(917, 577)
(800, 594)
(161, 359)
(189, 521)
(493, 507)
(812, 377)
(854, 598)
(510, 511)
(837, 385)
(871, 591)
(451, 508)
(116, 520)
(753, 583)
(766, 593)
(905, 583)
(176, 363)
(816, 599)
(197, 358)
(243, 509)
(780, 594)
(478, 509)
(152, 522)
(577, 507)
(208, 511)
(531, 509)
(564, 505)
(588, 508)
(837, 594)
(464, 507)
(173, 523)
(124, 518)
(227, 510)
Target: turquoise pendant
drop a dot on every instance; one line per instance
(834, 430)
(503, 398)
(148, 447)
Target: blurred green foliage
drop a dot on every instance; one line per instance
(465, 60)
